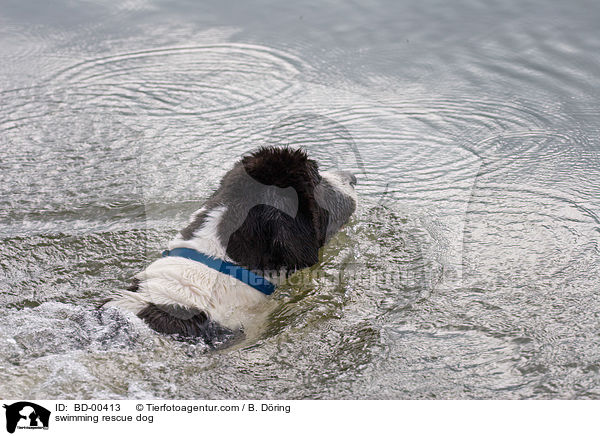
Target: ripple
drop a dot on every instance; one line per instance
(522, 234)
(476, 136)
(219, 79)
(502, 152)
(20, 105)
(418, 148)
(25, 49)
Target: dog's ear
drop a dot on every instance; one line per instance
(269, 237)
(269, 240)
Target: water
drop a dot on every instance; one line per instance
(469, 270)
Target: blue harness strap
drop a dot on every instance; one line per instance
(242, 274)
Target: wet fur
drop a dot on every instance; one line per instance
(271, 213)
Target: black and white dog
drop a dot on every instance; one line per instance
(270, 216)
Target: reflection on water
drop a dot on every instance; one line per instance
(468, 271)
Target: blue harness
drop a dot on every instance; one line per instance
(242, 274)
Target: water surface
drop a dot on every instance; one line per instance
(469, 270)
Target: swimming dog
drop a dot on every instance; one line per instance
(269, 217)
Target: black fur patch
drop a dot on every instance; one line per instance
(134, 286)
(188, 232)
(269, 239)
(184, 323)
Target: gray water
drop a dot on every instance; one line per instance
(469, 270)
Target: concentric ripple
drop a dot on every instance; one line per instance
(427, 149)
(212, 80)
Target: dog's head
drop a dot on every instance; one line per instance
(274, 210)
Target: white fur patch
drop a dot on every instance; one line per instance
(206, 238)
(339, 184)
(192, 285)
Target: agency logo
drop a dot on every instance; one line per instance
(26, 415)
